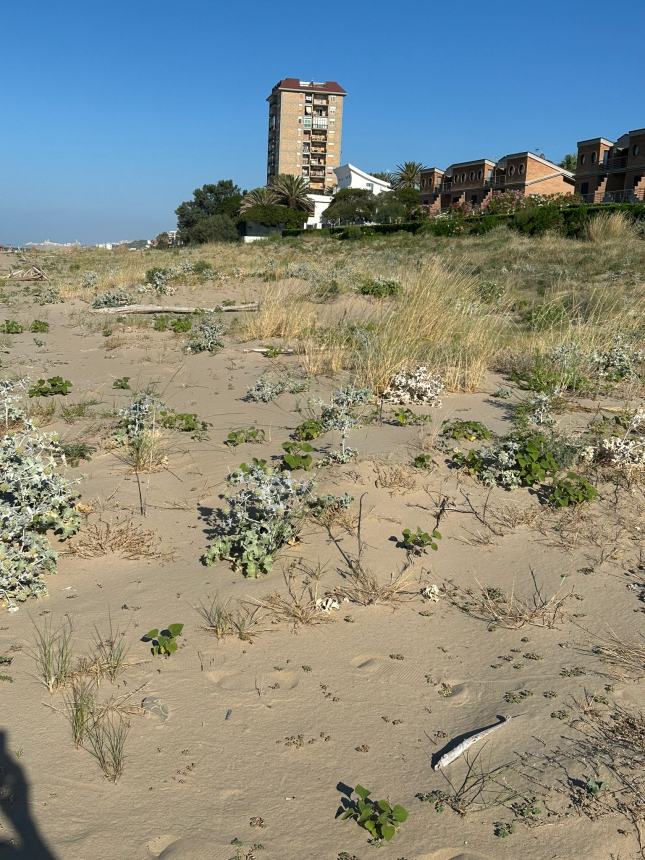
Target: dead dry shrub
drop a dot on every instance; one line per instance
(625, 656)
(610, 227)
(128, 540)
(303, 603)
(499, 609)
(394, 476)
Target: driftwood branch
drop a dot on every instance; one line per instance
(160, 309)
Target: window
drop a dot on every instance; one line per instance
(479, 174)
(520, 169)
(511, 170)
(369, 186)
(472, 175)
(584, 188)
(583, 158)
(332, 98)
(463, 177)
(636, 149)
(593, 157)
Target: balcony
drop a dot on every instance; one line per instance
(625, 196)
(616, 163)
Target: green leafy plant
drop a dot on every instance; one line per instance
(163, 642)
(595, 787)
(378, 817)
(74, 452)
(122, 383)
(418, 542)
(39, 327)
(423, 461)
(297, 456)
(503, 829)
(161, 322)
(244, 435)
(469, 430)
(406, 418)
(181, 325)
(50, 387)
(574, 489)
(186, 422)
(310, 429)
(11, 327)
(379, 288)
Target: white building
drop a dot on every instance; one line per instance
(321, 202)
(350, 176)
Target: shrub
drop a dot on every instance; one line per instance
(39, 327)
(379, 287)
(50, 387)
(268, 387)
(74, 452)
(186, 422)
(11, 327)
(181, 324)
(470, 430)
(111, 299)
(537, 220)
(310, 429)
(122, 383)
(517, 460)
(572, 490)
(34, 499)
(244, 435)
(208, 337)
(418, 386)
(266, 514)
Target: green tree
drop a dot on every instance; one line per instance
(408, 174)
(258, 197)
(272, 215)
(402, 204)
(214, 228)
(221, 198)
(292, 191)
(162, 241)
(385, 175)
(569, 162)
(351, 206)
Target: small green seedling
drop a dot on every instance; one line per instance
(163, 641)
(406, 418)
(378, 817)
(273, 351)
(502, 829)
(39, 327)
(74, 452)
(310, 429)
(297, 456)
(50, 387)
(122, 383)
(243, 435)
(595, 787)
(181, 325)
(419, 541)
(11, 327)
(423, 461)
(186, 422)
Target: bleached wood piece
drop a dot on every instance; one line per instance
(160, 309)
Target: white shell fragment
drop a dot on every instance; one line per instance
(459, 750)
(327, 604)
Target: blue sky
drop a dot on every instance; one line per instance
(112, 113)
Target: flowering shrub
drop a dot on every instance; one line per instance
(139, 415)
(620, 361)
(266, 514)
(34, 499)
(624, 452)
(417, 386)
(518, 460)
(337, 415)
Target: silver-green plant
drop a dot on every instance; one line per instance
(207, 337)
(265, 515)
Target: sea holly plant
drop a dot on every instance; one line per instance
(34, 499)
(378, 817)
(208, 335)
(264, 516)
(418, 542)
(339, 414)
(163, 642)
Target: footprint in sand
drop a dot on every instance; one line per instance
(371, 666)
(368, 665)
(246, 682)
(449, 854)
(192, 848)
(461, 694)
(159, 844)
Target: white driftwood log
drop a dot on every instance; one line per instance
(160, 309)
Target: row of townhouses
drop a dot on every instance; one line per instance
(305, 139)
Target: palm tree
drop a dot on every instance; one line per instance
(292, 191)
(408, 174)
(258, 197)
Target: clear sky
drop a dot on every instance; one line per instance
(111, 113)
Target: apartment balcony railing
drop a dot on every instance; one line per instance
(618, 163)
(625, 196)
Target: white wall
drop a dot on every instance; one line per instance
(350, 176)
(321, 202)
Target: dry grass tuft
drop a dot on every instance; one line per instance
(128, 540)
(509, 611)
(300, 606)
(223, 621)
(610, 227)
(284, 312)
(394, 476)
(626, 656)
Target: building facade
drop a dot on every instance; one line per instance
(612, 171)
(474, 183)
(305, 131)
(350, 176)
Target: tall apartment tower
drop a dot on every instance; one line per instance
(305, 131)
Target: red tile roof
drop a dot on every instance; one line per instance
(320, 86)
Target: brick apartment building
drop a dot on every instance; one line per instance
(612, 171)
(305, 131)
(474, 182)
